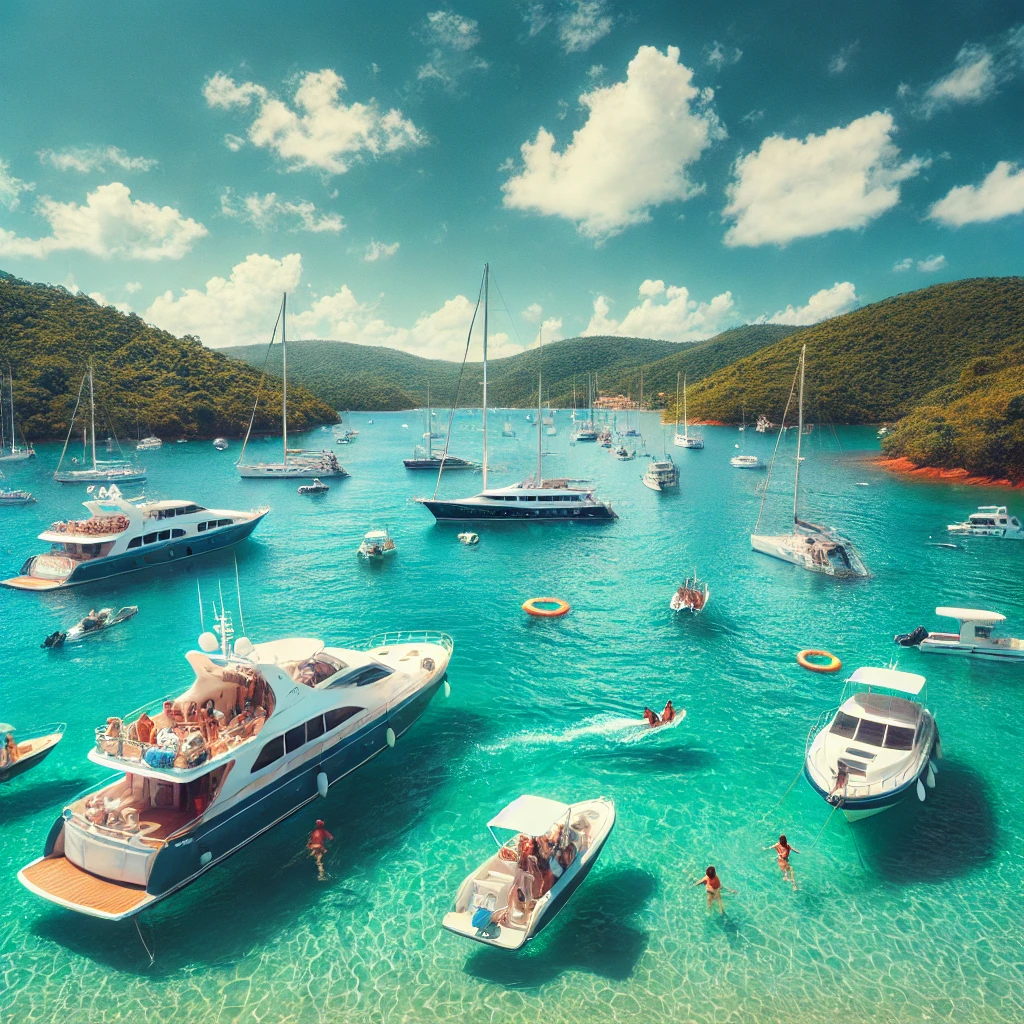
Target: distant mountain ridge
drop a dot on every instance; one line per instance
(369, 377)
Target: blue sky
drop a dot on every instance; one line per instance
(664, 170)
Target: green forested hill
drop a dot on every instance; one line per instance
(143, 375)
(366, 377)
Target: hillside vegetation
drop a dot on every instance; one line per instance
(145, 378)
(367, 377)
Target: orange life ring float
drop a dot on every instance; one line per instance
(804, 661)
(533, 607)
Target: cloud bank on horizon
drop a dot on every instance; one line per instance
(728, 185)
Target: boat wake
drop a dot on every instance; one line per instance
(603, 728)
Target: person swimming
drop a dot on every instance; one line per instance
(713, 885)
(783, 849)
(317, 846)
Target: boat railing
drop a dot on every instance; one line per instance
(412, 636)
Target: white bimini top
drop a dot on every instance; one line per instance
(531, 815)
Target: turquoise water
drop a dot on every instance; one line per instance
(910, 916)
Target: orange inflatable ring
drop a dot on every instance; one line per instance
(535, 607)
(833, 664)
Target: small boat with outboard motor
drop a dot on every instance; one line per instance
(469, 538)
(545, 850)
(17, 756)
(877, 747)
(91, 625)
(974, 638)
(989, 521)
(316, 487)
(260, 732)
(692, 596)
(376, 544)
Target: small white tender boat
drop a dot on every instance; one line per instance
(875, 748)
(18, 756)
(376, 544)
(745, 462)
(989, 521)
(316, 487)
(469, 538)
(220, 444)
(974, 639)
(577, 831)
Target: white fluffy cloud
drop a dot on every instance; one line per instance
(94, 158)
(932, 264)
(11, 187)
(1001, 194)
(319, 130)
(579, 23)
(241, 309)
(718, 55)
(797, 188)
(264, 211)
(841, 60)
(451, 38)
(633, 153)
(829, 302)
(380, 251)
(109, 224)
(664, 312)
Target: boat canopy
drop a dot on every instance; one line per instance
(891, 679)
(531, 815)
(293, 649)
(970, 615)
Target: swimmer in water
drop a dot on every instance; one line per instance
(713, 885)
(317, 846)
(783, 850)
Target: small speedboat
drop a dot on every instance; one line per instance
(974, 639)
(745, 462)
(18, 756)
(93, 624)
(376, 544)
(503, 904)
(876, 748)
(661, 475)
(220, 444)
(9, 497)
(149, 444)
(469, 538)
(316, 487)
(624, 454)
(692, 596)
(989, 521)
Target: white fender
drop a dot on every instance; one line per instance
(205, 858)
(920, 790)
(930, 777)
(447, 688)
(321, 783)
(390, 734)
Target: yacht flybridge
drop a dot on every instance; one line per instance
(809, 545)
(989, 521)
(973, 639)
(877, 747)
(508, 899)
(296, 463)
(559, 501)
(684, 440)
(261, 731)
(121, 536)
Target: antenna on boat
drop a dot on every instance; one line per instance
(238, 591)
(202, 623)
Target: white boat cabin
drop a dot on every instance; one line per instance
(974, 637)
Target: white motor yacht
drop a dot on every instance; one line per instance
(260, 732)
(502, 905)
(876, 748)
(149, 444)
(121, 536)
(745, 462)
(661, 475)
(973, 639)
(989, 521)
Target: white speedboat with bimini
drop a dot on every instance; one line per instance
(974, 638)
(876, 748)
(545, 850)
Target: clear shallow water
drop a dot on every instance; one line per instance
(910, 916)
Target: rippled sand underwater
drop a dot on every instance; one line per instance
(910, 916)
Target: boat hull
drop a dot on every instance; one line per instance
(289, 472)
(87, 476)
(972, 651)
(462, 512)
(435, 464)
(24, 764)
(785, 549)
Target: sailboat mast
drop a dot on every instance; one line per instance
(799, 433)
(92, 416)
(540, 418)
(430, 429)
(677, 401)
(487, 288)
(641, 407)
(686, 421)
(284, 378)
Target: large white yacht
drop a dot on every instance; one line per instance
(989, 521)
(286, 720)
(558, 501)
(809, 545)
(662, 474)
(876, 747)
(121, 536)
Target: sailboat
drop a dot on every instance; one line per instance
(296, 463)
(560, 501)
(109, 471)
(10, 451)
(684, 440)
(586, 431)
(424, 458)
(817, 548)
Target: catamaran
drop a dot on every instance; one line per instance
(296, 463)
(684, 440)
(810, 546)
(559, 501)
(261, 731)
(109, 471)
(10, 451)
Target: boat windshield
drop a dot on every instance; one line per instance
(875, 734)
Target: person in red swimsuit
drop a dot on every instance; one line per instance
(783, 849)
(713, 884)
(317, 846)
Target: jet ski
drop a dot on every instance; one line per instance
(90, 626)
